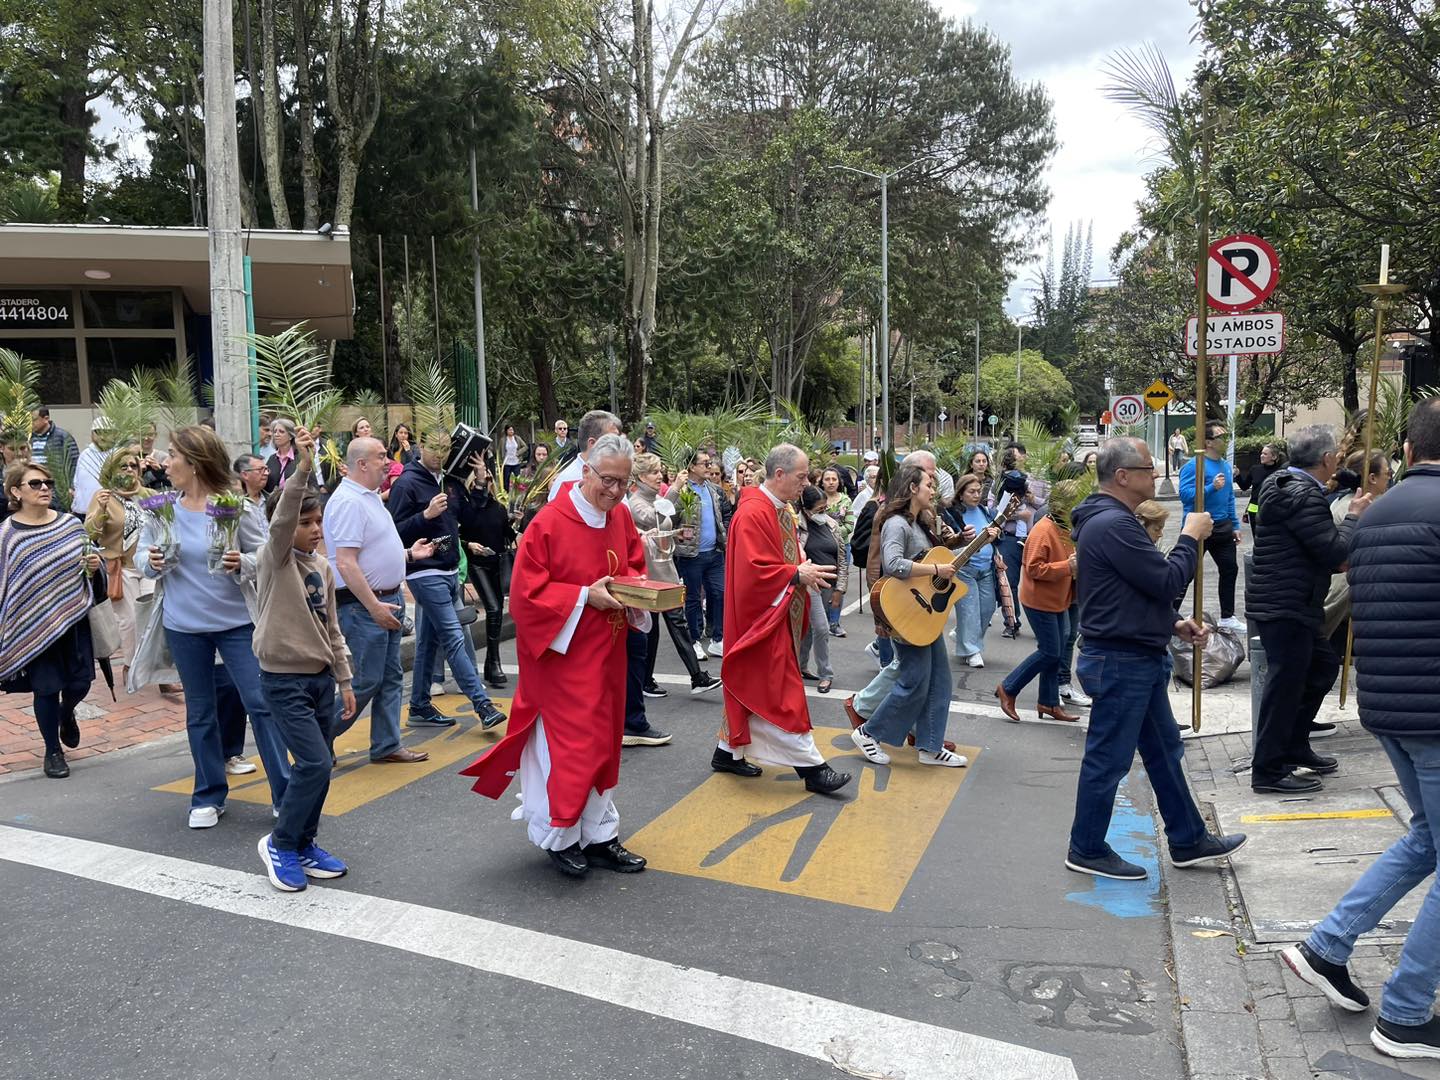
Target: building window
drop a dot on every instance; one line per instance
(120, 309)
(117, 358)
(59, 367)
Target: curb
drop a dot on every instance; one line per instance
(1218, 1019)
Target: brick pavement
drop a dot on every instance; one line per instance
(105, 725)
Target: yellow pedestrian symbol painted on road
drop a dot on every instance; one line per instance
(356, 781)
(1158, 395)
(858, 849)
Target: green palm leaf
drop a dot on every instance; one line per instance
(18, 400)
(293, 373)
(432, 393)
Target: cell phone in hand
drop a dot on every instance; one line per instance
(442, 543)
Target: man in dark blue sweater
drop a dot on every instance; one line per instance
(1126, 594)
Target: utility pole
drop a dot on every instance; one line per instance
(222, 189)
(1015, 431)
(480, 306)
(886, 442)
(977, 380)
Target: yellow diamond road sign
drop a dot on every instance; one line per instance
(1158, 395)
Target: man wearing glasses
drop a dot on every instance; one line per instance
(1220, 505)
(565, 727)
(1126, 590)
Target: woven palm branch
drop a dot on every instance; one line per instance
(293, 373)
(18, 400)
(432, 393)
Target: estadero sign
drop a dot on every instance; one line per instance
(1255, 333)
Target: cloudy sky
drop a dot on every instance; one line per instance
(1096, 174)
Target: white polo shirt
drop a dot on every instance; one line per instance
(355, 517)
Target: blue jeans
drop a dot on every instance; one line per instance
(195, 661)
(1409, 994)
(1067, 651)
(705, 573)
(972, 614)
(1051, 628)
(920, 698)
(1131, 711)
(435, 596)
(1012, 550)
(378, 676)
(886, 650)
(302, 707)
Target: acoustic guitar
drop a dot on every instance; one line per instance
(916, 609)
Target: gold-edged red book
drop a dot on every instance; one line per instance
(647, 594)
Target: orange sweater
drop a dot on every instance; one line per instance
(1046, 584)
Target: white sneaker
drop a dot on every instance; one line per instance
(1074, 696)
(437, 689)
(700, 652)
(944, 757)
(205, 817)
(874, 650)
(975, 660)
(1233, 624)
(238, 766)
(869, 747)
(717, 648)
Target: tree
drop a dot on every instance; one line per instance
(1047, 393)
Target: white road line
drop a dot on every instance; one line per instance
(864, 1042)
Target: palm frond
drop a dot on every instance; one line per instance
(432, 393)
(175, 388)
(18, 400)
(293, 374)
(797, 430)
(1141, 81)
(128, 408)
(366, 400)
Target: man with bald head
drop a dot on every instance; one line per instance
(767, 582)
(1126, 593)
(369, 561)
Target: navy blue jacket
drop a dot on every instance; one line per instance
(1395, 595)
(410, 494)
(1126, 588)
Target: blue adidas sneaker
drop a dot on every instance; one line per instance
(319, 863)
(282, 866)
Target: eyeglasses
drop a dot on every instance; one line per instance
(1138, 468)
(40, 485)
(611, 483)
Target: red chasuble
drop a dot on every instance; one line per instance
(761, 667)
(581, 694)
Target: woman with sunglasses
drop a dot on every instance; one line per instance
(114, 521)
(49, 580)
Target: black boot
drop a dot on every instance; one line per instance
(55, 766)
(494, 676)
(822, 779)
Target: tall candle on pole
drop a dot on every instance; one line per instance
(1383, 291)
(1202, 330)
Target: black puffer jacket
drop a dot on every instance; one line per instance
(1395, 592)
(1297, 548)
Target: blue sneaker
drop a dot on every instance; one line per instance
(428, 716)
(282, 866)
(319, 863)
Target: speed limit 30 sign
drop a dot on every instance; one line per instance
(1127, 409)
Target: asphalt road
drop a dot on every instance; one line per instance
(922, 925)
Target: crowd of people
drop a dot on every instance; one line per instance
(292, 619)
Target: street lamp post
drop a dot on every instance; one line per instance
(886, 442)
(1019, 331)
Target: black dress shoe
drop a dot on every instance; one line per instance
(55, 766)
(570, 861)
(1287, 785)
(69, 729)
(823, 779)
(612, 856)
(1316, 763)
(722, 761)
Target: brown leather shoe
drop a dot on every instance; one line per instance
(174, 689)
(403, 757)
(1007, 703)
(1055, 712)
(910, 741)
(855, 718)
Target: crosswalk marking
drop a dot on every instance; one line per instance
(867, 1043)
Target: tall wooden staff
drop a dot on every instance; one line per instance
(1202, 328)
(1383, 292)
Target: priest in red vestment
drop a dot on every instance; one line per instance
(569, 711)
(766, 584)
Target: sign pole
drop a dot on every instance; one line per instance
(1201, 390)
(1382, 291)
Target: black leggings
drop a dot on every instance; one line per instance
(485, 576)
(48, 708)
(680, 634)
(1222, 553)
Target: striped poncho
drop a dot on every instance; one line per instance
(43, 590)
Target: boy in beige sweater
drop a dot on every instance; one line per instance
(302, 660)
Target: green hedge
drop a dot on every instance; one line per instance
(1246, 444)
